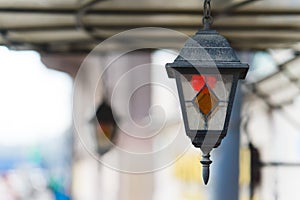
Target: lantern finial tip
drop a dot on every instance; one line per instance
(205, 167)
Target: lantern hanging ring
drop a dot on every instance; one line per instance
(207, 19)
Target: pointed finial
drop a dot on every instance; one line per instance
(205, 167)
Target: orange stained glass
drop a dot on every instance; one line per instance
(206, 100)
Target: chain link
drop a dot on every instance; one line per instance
(207, 18)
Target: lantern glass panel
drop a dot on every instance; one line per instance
(195, 121)
(205, 100)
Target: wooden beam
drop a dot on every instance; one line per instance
(145, 7)
(17, 20)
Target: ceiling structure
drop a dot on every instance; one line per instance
(79, 25)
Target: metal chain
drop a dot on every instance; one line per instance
(207, 18)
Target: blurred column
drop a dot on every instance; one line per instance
(130, 72)
(68, 63)
(225, 168)
(85, 177)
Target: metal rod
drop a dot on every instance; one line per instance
(278, 164)
(280, 67)
(79, 21)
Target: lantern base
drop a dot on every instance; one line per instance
(207, 139)
(205, 167)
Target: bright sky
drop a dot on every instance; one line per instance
(35, 102)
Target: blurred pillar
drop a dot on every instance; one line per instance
(85, 183)
(68, 63)
(85, 168)
(130, 72)
(225, 171)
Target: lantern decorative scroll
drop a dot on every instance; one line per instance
(206, 72)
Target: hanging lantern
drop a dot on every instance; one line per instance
(206, 72)
(105, 128)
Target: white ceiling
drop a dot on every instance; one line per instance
(52, 25)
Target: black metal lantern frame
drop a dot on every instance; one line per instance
(207, 71)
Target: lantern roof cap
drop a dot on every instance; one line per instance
(205, 52)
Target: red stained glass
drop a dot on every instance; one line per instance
(211, 81)
(198, 81)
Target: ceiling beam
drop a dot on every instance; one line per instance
(19, 21)
(151, 10)
(120, 28)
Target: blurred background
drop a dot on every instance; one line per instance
(86, 114)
